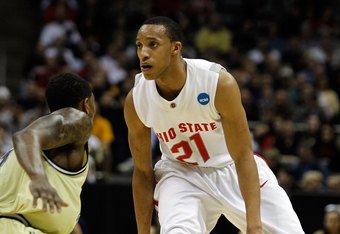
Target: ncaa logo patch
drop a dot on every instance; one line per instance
(203, 98)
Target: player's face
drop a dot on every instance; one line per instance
(154, 50)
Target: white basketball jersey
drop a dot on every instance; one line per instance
(189, 127)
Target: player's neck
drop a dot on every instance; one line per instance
(171, 85)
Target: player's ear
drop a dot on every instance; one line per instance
(86, 105)
(177, 48)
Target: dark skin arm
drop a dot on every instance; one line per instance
(143, 175)
(235, 126)
(67, 126)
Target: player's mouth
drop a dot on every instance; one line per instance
(145, 67)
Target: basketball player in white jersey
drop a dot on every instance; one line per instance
(207, 167)
(42, 177)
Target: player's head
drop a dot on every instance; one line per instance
(159, 46)
(69, 90)
(172, 28)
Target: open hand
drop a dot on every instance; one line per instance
(41, 188)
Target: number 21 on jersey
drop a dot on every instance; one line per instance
(195, 139)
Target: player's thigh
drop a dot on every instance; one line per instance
(13, 226)
(277, 211)
(184, 208)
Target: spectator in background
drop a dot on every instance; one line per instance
(263, 136)
(272, 157)
(312, 182)
(70, 56)
(326, 149)
(114, 60)
(6, 110)
(311, 134)
(53, 64)
(94, 72)
(267, 102)
(31, 95)
(331, 222)
(93, 19)
(61, 28)
(189, 30)
(102, 129)
(111, 107)
(334, 165)
(213, 39)
(286, 179)
(100, 84)
(333, 183)
(245, 35)
(307, 160)
(307, 101)
(283, 106)
(287, 138)
(327, 99)
(249, 104)
(49, 9)
(5, 139)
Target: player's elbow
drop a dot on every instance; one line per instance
(19, 137)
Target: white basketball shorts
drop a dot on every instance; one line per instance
(190, 199)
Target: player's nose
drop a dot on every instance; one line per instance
(144, 53)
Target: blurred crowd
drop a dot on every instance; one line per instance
(285, 56)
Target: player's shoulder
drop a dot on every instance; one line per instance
(68, 112)
(202, 64)
(138, 78)
(69, 116)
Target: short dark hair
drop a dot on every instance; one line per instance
(172, 28)
(66, 90)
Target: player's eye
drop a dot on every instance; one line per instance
(139, 45)
(153, 44)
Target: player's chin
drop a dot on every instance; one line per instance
(148, 76)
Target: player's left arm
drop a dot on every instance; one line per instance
(228, 104)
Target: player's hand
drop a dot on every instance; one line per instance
(41, 188)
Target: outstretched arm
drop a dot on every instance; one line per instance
(143, 174)
(62, 127)
(235, 126)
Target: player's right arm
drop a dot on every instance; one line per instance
(143, 174)
(62, 127)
